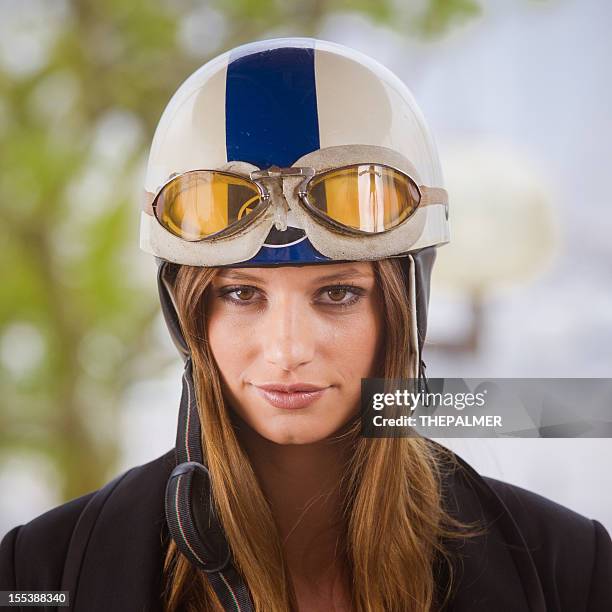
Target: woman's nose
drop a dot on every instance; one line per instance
(288, 335)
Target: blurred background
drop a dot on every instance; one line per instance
(517, 95)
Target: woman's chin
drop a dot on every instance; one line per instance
(293, 427)
(293, 435)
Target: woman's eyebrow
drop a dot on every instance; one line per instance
(239, 275)
(347, 274)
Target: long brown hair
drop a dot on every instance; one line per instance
(393, 517)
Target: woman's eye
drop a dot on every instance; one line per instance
(238, 295)
(244, 295)
(341, 295)
(337, 294)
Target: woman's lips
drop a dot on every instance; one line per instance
(292, 399)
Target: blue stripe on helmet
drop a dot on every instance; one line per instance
(271, 107)
(300, 253)
(271, 119)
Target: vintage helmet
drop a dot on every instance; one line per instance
(280, 152)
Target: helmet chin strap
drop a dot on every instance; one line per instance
(422, 264)
(189, 505)
(190, 510)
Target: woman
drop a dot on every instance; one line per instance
(294, 206)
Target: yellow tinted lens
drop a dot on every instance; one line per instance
(200, 203)
(366, 197)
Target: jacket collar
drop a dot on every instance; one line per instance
(493, 570)
(123, 561)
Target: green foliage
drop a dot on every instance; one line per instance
(440, 14)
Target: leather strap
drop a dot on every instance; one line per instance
(433, 195)
(190, 511)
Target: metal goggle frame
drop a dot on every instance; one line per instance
(385, 198)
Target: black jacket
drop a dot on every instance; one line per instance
(536, 554)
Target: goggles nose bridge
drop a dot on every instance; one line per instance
(277, 172)
(275, 189)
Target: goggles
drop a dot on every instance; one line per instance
(354, 199)
(335, 195)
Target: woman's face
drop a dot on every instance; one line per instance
(316, 327)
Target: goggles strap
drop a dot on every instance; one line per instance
(415, 286)
(190, 512)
